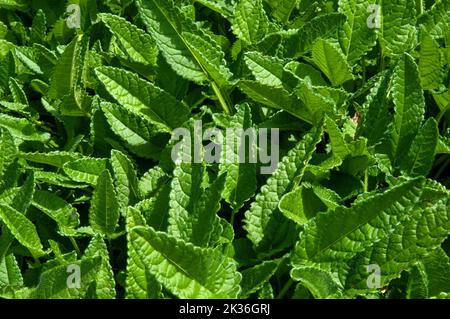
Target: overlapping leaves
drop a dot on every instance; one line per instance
(359, 95)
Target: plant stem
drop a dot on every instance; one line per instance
(366, 180)
(75, 245)
(221, 98)
(285, 289)
(442, 169)
(232, 218)
(363, 64)
(441, 115)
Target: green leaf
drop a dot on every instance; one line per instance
(67, 76)
(185, 270)
(10, 275)
(38, 27)
(274, 97)
(143, 98)
(156, 207)
(200, 60)
(193, 208)
(9, 150)
(282, 9)
(152, 180)
(335, 235)
(53, 283)
(137, 132)
(23, 197)
(338, 144)
(15, 4)
(212, 63)
(250, 22)
(240, 182)
(17, 92)
(443, 146)
(317, 103)
(140, 283)
(420, 158)
(57, 179)
(104, 211)
(320, 283)
(356, 37)
(138, 45)
(306, 72)
(56, 208)
(22, 129)
(331, 62)
(433, 275)
(436, 19)
(266, 70)
(409, 106)
(85, 170)
(421, 231)
(376, 119)
(305, 201)
(417, 283)
(18, 199)
(329, 197)
(297, 42)
(56, 158)
(291, 205)
(430, 64)
(266, 292)
(265, 225)
(223, 7)
(125, 180)
(27, 62)
(255, 277)
(186, 191)
(442, 100)
(22, 229)
(104, 281)
(397, 31)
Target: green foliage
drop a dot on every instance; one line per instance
(104, 210)
(95, 204)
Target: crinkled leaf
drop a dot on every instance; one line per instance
(125, 179)
(265, 225)
(85, 170)
(139, 45)
(143, 97)
(104, 211)
(421, 154)
(104, 281)
(250, 22)
(332, 62)
(22, 229)
(409, 106)
(56, 208)
(184, 269)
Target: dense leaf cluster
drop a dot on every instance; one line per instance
(91, 91)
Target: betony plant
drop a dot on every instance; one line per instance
(331, 180)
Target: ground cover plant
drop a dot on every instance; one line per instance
(99, 200)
